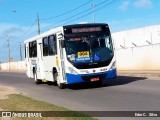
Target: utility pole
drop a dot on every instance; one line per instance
(8, 45)
(93, 8)
(20, 52)
(38, 24)
(0, 65)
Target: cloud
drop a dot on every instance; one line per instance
(16, 34)
(143, 3)
(10, 32)
(11, 29)
(124, 5)
(19, 33)
(138, 4)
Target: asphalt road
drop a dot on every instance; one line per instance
(126, 93)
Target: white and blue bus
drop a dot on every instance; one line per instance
(71, 54)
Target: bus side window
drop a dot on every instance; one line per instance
(45, 46)
(34, 49)
(52, 45)
(25, 50)
(108, 43)
(30, 49)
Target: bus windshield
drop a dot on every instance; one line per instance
(89, 50)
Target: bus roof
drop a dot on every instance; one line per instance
(54, 30)
(47, 33)
(86, 25)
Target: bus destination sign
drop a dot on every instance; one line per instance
(86, 29)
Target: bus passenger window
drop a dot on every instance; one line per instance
(45, 46)
(52, 45)
(25, 50)
(33, 49)
(30, 49)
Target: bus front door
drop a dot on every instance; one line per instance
(60, 52)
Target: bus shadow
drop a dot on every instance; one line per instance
(121, 80)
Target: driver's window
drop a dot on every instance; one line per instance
(108, 43)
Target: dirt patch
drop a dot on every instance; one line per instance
(147, 74)
(6, 90)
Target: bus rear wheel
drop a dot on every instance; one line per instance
(37, 81)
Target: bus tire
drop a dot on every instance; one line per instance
(99, 83)
(37, 81)
(60, 85)
(54, 72)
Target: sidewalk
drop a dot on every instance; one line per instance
(139, 73)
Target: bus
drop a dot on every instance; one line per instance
(71, 54)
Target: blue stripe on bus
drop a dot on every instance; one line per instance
(72, 78)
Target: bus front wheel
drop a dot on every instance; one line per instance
(60, 85)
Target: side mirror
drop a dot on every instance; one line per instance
(62, 43)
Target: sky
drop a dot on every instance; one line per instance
(18, 18)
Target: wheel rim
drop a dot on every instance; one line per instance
(58, 80)
(55, 76)
(35, 77)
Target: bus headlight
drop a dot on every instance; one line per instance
(72, 71)
(113, 66)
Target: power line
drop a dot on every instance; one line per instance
(50, 18)
(106, 5)
(91, 11)
(67, 12)
(77, 14)
(58, 16)
(101, 7)
(97, 8)
(26, 31)
(83, 12)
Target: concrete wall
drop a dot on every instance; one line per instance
(140, 37)
(138, 49)
(144, 56)
(20, 65)
(139, 58)
(135, 58)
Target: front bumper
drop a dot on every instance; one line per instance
(72, 78)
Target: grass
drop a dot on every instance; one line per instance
(17, 102)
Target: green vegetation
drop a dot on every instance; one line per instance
(17, 102)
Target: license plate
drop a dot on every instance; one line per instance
(94, 79)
